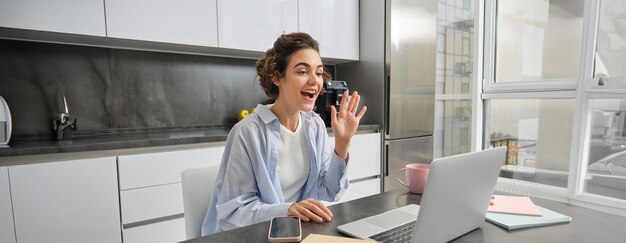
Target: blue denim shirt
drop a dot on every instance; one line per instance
(247, 189)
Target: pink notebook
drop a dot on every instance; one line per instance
(513, 205)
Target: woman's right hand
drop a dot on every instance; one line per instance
(310, 209)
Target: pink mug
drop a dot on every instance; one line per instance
(416, 177)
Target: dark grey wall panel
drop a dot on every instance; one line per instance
(119, 89)
(172, 90)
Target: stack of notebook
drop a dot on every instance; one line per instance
(511, 212)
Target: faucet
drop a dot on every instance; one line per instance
(62, 120)
(61, 123)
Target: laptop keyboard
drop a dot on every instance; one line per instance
(402, 233)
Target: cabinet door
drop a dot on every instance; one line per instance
(7, 231)
(365, 159)
(192, 22)
(68, 201)
(365, 153)
(68, 16)
(255, 24)
(334, 24)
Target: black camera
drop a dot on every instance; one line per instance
(331, 94)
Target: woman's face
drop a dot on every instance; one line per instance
(302, 81)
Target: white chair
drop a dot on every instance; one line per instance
(198, 185)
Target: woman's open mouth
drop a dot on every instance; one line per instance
(308, 94)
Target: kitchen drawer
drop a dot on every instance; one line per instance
(360, 189)
(144, 170)
(151, 202)
(166, 232)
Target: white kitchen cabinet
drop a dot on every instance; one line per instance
(255, 24)
(151, 192)
(365, 159)
(67, 201)
(191, 22)
(161, 168)
(334, 24)
(85, 17)
(151, 202)
(363, 167)
(364, 156)
(7, 231)
(361, 189)
(165, 231)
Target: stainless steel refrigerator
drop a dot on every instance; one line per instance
(410, 58)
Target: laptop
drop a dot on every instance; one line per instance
(454, 202)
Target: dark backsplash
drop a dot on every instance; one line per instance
(109, 89)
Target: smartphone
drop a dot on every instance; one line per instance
(285, 229)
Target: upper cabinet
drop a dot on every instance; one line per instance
(191, 22)
(334, 24)
(255, 24)
(85, 17)
(240, 28)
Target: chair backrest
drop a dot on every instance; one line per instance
(198, 185)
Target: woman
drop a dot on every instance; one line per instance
(278, 160)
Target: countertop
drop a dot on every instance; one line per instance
(129, 138)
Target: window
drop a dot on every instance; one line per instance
(537, 134)
(455, 76)
(538, 40)
(606, 169)
(610, 61)
(531, 71)
(604, 166)
(532, 68)
(553, 94)
(457, 127)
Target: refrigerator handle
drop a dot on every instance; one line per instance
(387, 104)
(386, 169)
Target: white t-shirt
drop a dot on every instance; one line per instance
(293, 165)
